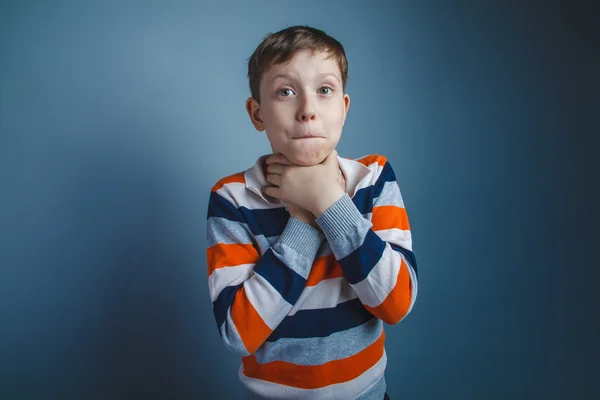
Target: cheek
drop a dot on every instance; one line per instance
(335, 113)
(334, 119)
(278, 118)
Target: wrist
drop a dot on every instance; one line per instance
(304, 216)
(325, 201)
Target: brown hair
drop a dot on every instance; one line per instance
(279, 47)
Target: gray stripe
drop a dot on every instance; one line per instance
(324, 250)
(302, 237)
(221, 230)
(292, 259)
(390, 195)
(297, 246)
(344, 227)
(232, 338)
(317, 351)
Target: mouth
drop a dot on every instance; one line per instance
(308, 136)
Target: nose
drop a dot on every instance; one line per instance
(306, 111)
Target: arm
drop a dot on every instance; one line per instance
(252, 294)
(376, 256)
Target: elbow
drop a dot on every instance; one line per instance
(239, 351)
(391, 315)
(399, 302)
(233, 342)
(396, 306)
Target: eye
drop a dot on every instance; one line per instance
(285, 92)
(325, 90)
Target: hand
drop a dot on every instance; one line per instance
(313, 188)
(295, 211)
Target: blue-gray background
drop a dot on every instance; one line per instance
(116, 120)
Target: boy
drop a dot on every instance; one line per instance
(308, 253)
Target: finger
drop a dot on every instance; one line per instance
(272, 191)
(275, 169)
(274, 179)
(277, 158)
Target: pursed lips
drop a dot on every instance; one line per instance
(308, 136)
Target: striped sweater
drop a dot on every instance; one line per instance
(304, 308)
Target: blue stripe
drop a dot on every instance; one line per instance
(358, 264)
(387, 175)
(410, 257)
(323, 322)
(269, 222)
(285, 280)
(223, 302)
(219, 207)
(363, 199)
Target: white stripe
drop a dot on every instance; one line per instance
(414, 288)
(227, 276)
(370, 179)
(381, 280)
(266, 300)
(399, 237)
(326, 294)
(346, 390)
(237, 194)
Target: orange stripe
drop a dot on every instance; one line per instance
(249, 324)
(373, 158)
(316, 376)
(229, 255)
(396, 304)
(387, 217)
(325, 267)
(239, 178)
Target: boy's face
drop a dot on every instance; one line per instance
(303, 107)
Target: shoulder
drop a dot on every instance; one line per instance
(230, 190)
(228, 181)
(380, 169)
(372, 160)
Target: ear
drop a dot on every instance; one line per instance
(253, 109)
(346, 106)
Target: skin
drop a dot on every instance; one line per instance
(303, 109)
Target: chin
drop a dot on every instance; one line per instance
(308, 158)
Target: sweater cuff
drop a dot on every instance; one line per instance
(339, 219)
(302, 237)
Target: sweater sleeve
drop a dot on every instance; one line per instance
(375, 256)
(252, 293)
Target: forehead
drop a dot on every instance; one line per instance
(305, 63)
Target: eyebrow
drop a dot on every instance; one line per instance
(288, 76)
